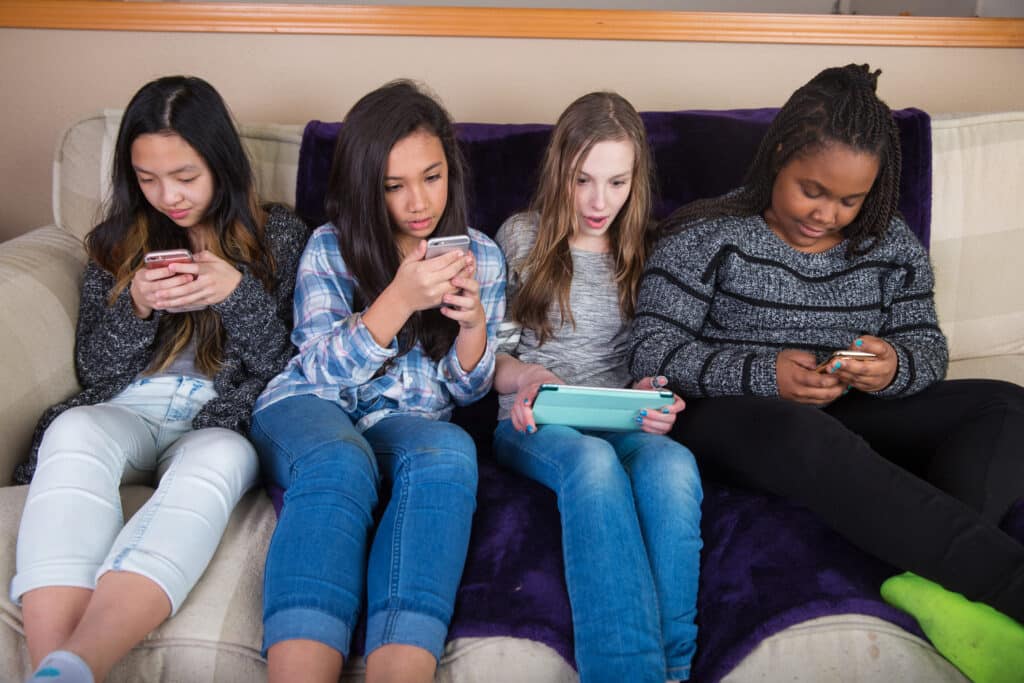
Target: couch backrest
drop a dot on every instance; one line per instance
(978, 241)
(82, 162)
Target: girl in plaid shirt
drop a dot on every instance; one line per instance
(388, 341)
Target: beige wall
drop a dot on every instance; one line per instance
(48, 79)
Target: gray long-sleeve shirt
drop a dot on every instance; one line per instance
(591, 353)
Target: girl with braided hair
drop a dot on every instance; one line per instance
(747, 294)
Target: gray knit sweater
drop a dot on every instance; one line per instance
(112, 345)
(720, 299)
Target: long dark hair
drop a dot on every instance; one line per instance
(192, 109)
(838, 105)
(593, 118)
(356, 206)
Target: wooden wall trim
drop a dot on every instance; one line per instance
(727, 27)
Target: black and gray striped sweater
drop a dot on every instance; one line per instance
(720, 299)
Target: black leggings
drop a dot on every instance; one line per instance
(920, 482)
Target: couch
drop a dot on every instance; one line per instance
(512, 621)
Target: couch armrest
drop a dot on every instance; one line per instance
(40, 274)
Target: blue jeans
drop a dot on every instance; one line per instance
(317, 562)
(630, 512)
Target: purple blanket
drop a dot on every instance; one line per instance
(767, 564)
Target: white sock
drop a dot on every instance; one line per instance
(62, 666)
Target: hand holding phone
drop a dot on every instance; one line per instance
(161, 259)
(437, 246)
(797, 379)
(420, 283)
(442, 245)
(155, 260)
(844, 354)
(867, 374)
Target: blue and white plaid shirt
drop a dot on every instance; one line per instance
(338, 356)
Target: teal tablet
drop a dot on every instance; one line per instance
(594, 407)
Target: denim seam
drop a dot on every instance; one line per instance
(172, 408)
(143, 527)
(681, 672)
(396, 543)
(279, 447)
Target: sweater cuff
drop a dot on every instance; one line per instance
(122, 314)
(364, 347)
(763, 380)
(248, 298)
(901, 380)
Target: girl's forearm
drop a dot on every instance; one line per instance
(386, 316)
(511, 374)
(470, 346)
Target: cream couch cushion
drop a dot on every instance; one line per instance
(216, 634)
(39, 280)
(978, 241)
(870, 649)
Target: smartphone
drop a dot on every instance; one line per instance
(159, 259)
(845, 355)
(442, 245)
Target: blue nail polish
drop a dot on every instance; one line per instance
(846, 391)
(859, 342)
(530, 429)
(643, 412)
(526, 401)
(665, 410)
(639, 420)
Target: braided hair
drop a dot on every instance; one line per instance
(839, 105)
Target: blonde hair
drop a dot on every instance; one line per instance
(593, 118)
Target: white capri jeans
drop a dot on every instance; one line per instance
(73, 531)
